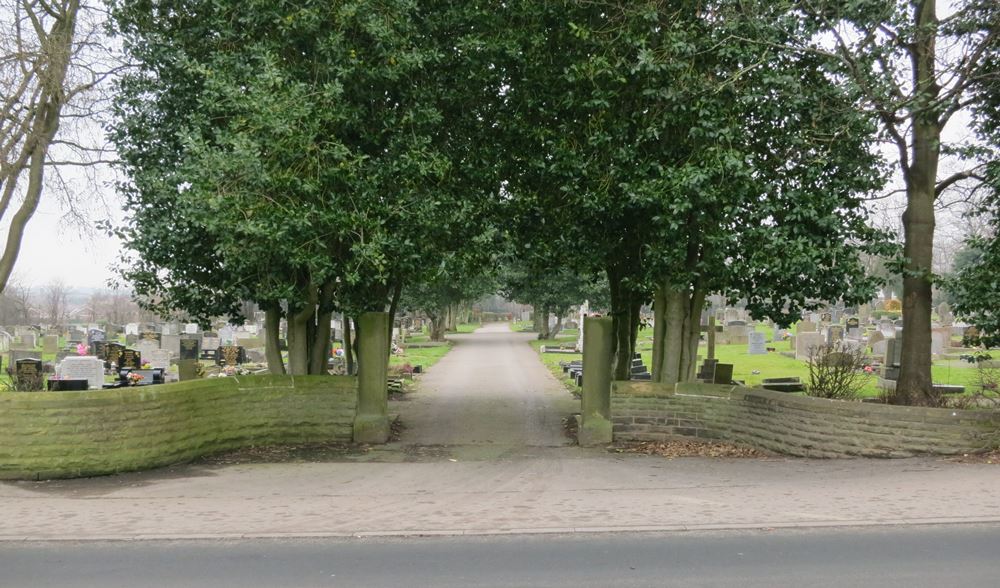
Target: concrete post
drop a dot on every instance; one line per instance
(371, 425)
(595, 425)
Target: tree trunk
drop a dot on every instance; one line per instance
(438, 324)
(348, 347)
(914, 385)
(681, 332)
(319, 356)
(543, 331)
(298, 341)
(558, 327)
(272, 347)
(659, 332)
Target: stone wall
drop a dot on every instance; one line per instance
(71, 434)
(797, 425)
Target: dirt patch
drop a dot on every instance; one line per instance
(570, 426)
(688, 448)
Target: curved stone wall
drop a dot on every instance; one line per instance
(797, 425)
(72, 434)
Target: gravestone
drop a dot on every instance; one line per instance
(877, 342)
(159, 359)
(171, 343)
(150, 336)
(28, 375)
(826, 317)
(226, 335)
(16, 354)
(834, 333)
(188, 348)
(28, 341)
(131, 340)
(944, 314)
(836, 358)
(132, 329)
(230, 355)
(130, 359)
(940, 340)
(83, 367)
(191, 329)
(887, 329)
(77, 335)
(736, 332)
(723, 373)
(805, 327)
(50, 344)
(113, 354)
(756, 343)
(187, 369)
(804, 342)
(853, 327)
(95, 335)
(146, 347)
(210, 340)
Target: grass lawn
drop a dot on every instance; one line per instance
(467, 327)
(422, 356)
(771, 365)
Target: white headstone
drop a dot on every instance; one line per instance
(84, 367)
(756, 343)
(191, 328)
(132, 329)
(210, 343)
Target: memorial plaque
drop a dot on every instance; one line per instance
(113, 354)
(150, 336)
(86, 368)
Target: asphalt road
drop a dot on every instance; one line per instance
(913, 557)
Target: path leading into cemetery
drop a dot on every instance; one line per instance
(489, 391)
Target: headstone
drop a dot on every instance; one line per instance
(853, 327)
(805, 342)
(187, 369)
(159, 359)
(131, 340)
(146, 347)
(210, 340)
(887, 329)
(834, 333)
(50, 344)
(130, 359)
(805, 327)
(191, 329)
(113, 354)
(188, 348)
(95, 335)
(83, 367)
(826, 317)
(940, 340)
(874, 339)
(894, 352)
(230, 355)
(226, 335)
(28, 375)
(132, 329)
(16, 354)
(737, 331)
(171, 343)
(150, 336)
(77, 335)
(723, 373)
(757, 343)
(944, 314)
(28, 341)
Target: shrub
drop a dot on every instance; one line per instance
(837, 371)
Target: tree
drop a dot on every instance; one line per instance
(311, 159)
(51, 62)
(661, 146)
(55, 296)
(549, 290)
(913, 72)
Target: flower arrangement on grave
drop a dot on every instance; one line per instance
(81, 349)
(146, 365)
(134, 378)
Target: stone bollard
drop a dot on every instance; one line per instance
(595, 425)
(371, 425)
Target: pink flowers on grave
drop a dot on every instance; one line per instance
(81, 349)
(869, 369)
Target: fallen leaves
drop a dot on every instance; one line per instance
(990, 457)
(688, 448)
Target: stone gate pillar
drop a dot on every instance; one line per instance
(595, 417)
(371, 424)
